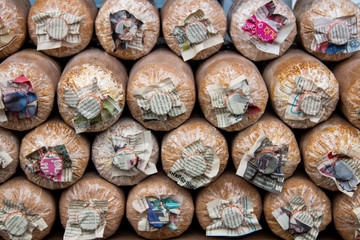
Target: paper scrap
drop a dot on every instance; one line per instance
(5, 159)
(189, 170)
(132, 155)
(158, 211)
(18, 221)
(86, 220)
(195, 35)
(262, 164)
(301, 221)
(232, 102)
(267, 29)
(343, 169)
(57, 29)
(159, 101)
(232, 217)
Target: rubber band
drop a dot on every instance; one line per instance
(91, 95)
(232, 94)
(232, 206)
(192, 22)
(129, 149)
(77, 217)
(14, 213)
(332, 25)
(161, 92)
(17, 89)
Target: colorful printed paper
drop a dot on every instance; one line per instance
(336, 36)
(158, 211)
(5, 159)
(267, 29)
(195, 35)
(57, 29)
(233, 217)
(19, 222)
(262, 164)
(343, 168)
(127, 31)
(232, 102)
(301, 221)
(18, 99)
(53, 163)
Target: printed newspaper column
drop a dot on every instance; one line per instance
(335, 36)
(232, 102)
(51, 162)
(195, 35)
(127, 31)
(357, 231)
(132, 155)
(197, 165)
(5, 158)
(343, 169)
(57, 29)
(267, 29)
(307, 101)
(232, 217)
(262, 164)
(90, 106)
(158, 211)
(18, 221)
(159, 101)
(298, 219)
(6, 37)
(18, 99)
(86, 220)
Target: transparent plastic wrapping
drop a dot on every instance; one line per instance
(241, 11)
(153, 69)
(223, 68)
(335, 135)
(347, 73)
(345, 219)
(174, 13)
(37, 201)
(160, 185)
(92, 187)
(10, 144)
(307, 11)
(13, 20)
(297, 185)
(282, 77)
(227, 186)
(53, 133)
(144, 11)
(43, 73)
(80, 72)
(103, 152)
(84, 9)
(277, 132)
(194, 130)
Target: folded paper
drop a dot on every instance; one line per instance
(86, 220)
(53, 163)
(90, 106)
(18, 221)
(127, 31)
(158, 211)
(301, 221)
(132, 154)
(262, 164)
(196, 167)
(5, 159)
(336, 36)
(232, 102)
(267, 29)
(159, 101)
(196, 34)
(342, 168)
(18, 99)
(57, 29)
(232, 217)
